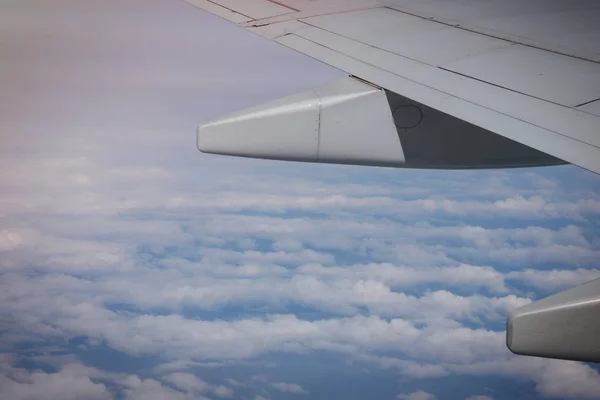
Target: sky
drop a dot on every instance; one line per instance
(134, 267)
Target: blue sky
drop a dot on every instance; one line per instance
(135, 267)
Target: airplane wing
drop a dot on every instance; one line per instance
(438, 84)
(448, 84)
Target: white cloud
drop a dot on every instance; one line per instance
(186, 382)
(176, 365)
(10, 240)
(573, 380)
(418, 395)
(479, 397)
(399, 276)
(554, 378)
(135, 388)
(554, 279)
(406, 367)
(71, 382)
(288, 387)
(515, 206)
(249, 256)
(77, 381)
(223, 392)
(235, 383)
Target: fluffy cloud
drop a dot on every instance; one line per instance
(69, 383)
(76, 381)
(135, 388)
(554, 279)
(288, 387)
(516, 206)
(223, 391)
(186, 382)
(418, 395)
(399, 276)
(192, 385)
(554, 378)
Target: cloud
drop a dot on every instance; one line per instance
(71, 382)
(223, 392)
(418, 395)
(74, 380)
(186, 382)
(572, 380)
(514, 207)
(554, 279)
(288, 387)
(479, 397)
(218, 255)
(553, 378)
(74, 313)
(235, 383)
(135, 388)
(399, 276)
(10, 240)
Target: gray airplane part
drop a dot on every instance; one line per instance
(565, 325)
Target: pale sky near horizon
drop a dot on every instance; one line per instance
(134, 267)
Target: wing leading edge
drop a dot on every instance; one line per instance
(471, 85)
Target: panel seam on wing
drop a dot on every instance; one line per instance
(300, 17)
(279, 3)
(513, 41)
(503, 87)
(587, 102)
(320, 102)
(227, 8)
(508, 44)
